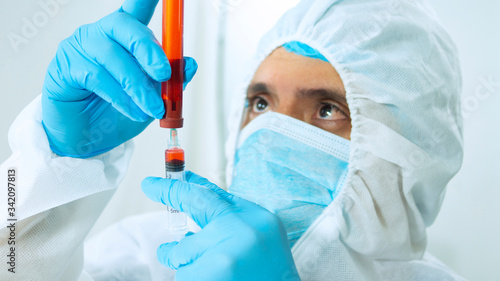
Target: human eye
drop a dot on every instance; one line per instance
(259, 104)
(330, 111)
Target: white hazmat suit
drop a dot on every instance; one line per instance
(402, 80)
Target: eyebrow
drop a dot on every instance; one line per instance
(322, 93)
(260, 88)
(257, 88)
(301, 93)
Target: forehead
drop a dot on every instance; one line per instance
(284, 69)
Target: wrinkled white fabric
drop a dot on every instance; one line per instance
(126, 250)
(58, 201)
(402, 78)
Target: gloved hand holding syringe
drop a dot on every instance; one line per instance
(173, 21)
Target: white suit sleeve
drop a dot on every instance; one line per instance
(57, 201)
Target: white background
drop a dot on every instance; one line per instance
(466, 234)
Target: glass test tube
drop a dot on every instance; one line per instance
(173, 29)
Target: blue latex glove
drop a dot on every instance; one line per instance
(239, 240)
(103, 86)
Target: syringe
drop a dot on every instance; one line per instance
(174, 166)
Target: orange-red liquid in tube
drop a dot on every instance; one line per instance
(171, 91)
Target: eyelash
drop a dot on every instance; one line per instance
(252, 102)
(335, 108)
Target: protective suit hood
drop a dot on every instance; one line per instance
(402, 78)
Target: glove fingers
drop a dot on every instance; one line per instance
(127, 72)
(163, 253)
(234, 200)
(190, 68)
(210, 268)
(197, 179)
(105, 86)
(142, 10)
(85, 74)
(178, 254)
(139, 41)
(200, 203)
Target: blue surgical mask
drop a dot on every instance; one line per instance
(289, 167)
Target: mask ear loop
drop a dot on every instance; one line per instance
(244, 116)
